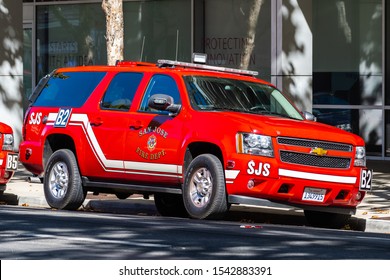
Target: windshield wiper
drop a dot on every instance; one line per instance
(228, 109)
(257, 110)
(275, 114)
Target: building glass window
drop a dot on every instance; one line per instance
(157, 30)
(347, 66)
(27, 64)
(227, 36)
(74, 34)
(69, 35)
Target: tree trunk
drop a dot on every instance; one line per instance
(250, 43)
(113, 10)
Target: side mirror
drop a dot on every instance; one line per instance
(163, 102)
(309, 116)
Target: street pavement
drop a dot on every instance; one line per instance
(373, 214)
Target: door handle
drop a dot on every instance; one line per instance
(96, 122)
(137, 125)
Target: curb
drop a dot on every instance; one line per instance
(377, 226)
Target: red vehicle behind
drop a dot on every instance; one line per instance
(199, 138)
(8, 158)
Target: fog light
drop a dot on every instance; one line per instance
(358, 196)
(251, 184)
(7, 174)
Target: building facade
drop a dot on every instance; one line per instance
(11, 64)
(329, 56)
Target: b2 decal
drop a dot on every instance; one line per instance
(262, 169)
(63, 117)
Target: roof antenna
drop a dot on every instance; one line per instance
(177, 42)
(142, 48)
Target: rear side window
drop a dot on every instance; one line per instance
(120, 93)
(68, 89)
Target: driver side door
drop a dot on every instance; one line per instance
(154, 137)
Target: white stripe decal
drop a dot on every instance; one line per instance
(82, 119)
(95, 144)
(144, 166)
(231, 174)
(317, 177)
(132, 167)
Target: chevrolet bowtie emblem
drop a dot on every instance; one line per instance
(318, 151)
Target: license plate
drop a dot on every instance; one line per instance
(12, 162)
(365, 180)
(314, 194)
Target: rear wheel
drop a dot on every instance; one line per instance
(170, 205)
(62, 181)
(204, 192)
(325, 219)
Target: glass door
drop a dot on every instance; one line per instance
(27, 64)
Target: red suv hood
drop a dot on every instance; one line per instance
(278, 126)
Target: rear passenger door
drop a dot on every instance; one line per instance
(154, 137)
(111, 123)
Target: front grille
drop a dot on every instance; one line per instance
(314, 160)
(315, 144)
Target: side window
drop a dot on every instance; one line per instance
(121, 91)
(68, 89)
(160, 84)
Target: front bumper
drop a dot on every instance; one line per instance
(270, 180)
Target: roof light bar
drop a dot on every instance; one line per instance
(165, 62)
(199, 58)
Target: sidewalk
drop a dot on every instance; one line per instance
(373, 214)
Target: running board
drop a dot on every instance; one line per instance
(240, 199)
(96, 185)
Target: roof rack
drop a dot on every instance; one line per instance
(133, 63)
(171, 63)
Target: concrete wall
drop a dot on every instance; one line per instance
(11, 66)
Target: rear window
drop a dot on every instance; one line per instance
(68, 89)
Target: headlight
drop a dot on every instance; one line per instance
(8, 142)
(360, 156)
(254, 144)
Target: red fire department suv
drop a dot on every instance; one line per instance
(8, 158)
(197, 137)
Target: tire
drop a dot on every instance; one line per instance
(123, 195)
(170, 205)
(62, 181)
(204, 192)
(326, 219)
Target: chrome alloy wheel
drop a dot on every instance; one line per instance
(201, 187)
(59, 180)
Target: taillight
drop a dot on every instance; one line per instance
(26, 117)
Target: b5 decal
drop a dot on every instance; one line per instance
(261, 169)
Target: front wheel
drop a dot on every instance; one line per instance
(204, 192)
(62, 181)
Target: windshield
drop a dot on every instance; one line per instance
(211, 93)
